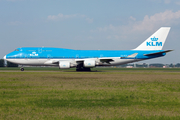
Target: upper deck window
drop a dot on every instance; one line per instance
(31, 50)
(47, 50)
(16, 49)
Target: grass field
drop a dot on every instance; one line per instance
(49, 93)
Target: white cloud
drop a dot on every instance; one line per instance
(166, 18)
(132, 18)
(14, 0)
(167, 1)
(163, 1)
(61, 16)
(149, 23)
(107, 28)
(89, 20)
(178, 3)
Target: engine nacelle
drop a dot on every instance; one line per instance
(89, 63)
(64, 65)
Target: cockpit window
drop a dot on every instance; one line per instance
(16, 50)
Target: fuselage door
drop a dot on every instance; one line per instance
(77, 56)
(40, 50)
(26, 56)
(49, 56)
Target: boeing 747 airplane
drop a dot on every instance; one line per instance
(84, 60)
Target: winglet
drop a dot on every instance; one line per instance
(155, 41)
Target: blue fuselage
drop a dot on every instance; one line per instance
(61, 53)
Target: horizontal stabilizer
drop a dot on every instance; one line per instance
(158, 53)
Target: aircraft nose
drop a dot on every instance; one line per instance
(4, 57)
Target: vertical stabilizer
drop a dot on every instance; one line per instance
(155, 41)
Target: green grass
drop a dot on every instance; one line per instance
(117, 94)
(93, 69)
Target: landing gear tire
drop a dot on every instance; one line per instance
(83, 69)
(22, 69)
(87, 69)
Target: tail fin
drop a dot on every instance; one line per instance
(155, 41)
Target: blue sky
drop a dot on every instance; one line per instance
(88, 24)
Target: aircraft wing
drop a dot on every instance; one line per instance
(106, 60)
(158, 53)
(52, 62)
(103, 60)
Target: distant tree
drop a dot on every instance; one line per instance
(177, 65)
(171, 65)
(142, 65)
(157, 65)
(124, 65)
(1, 63)
(9, 64)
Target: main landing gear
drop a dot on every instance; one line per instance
(83, 69)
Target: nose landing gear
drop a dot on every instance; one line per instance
(22, 69)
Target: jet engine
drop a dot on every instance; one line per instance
(89, 63)
(64, 65)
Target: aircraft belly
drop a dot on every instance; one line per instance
(123, 61)
(28, 61)
(49, 62)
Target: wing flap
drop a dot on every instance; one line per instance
(130, 56)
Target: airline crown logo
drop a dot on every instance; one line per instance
(154, 39)
(154, 42)
(33, 54)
